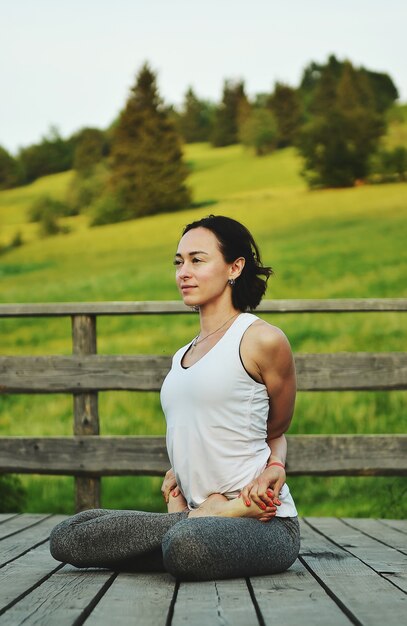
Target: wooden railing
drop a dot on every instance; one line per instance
(87, 456)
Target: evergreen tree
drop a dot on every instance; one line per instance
(196, 118)
(54, 154)
(8, 170)
(259, 131)
(383, 90)
(344, 131)
(147, 171)
(286, 106)
(232, 112)
(91, 147)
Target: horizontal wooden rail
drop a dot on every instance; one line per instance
(79, 374)
(324, 455)
(150, 307)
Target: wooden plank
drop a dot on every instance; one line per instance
(135, 598)
(375, 529)
(14, 546)
(5, 516)
(380, 557)
(24, 574)
(65, 309)
(351, 371)
(219, 602)
(62, 599)
(80, 374)
(359, 590)
(397, 524)
(19, 523)
(323, 455)
(83, 374)
(295, 597)
(396, 571)
(86, 415)
(347, 455)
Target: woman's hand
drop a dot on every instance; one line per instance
(265, 489)
(170, 486)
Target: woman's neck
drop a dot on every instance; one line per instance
(210, 320)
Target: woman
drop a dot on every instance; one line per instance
(228, 400)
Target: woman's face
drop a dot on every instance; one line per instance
(201, 271)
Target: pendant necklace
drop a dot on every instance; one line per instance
(197, 340)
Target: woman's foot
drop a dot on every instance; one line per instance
(177, 504)
(219, 506)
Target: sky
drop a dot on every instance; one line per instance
(71, 64)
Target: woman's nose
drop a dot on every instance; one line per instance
(184, 271)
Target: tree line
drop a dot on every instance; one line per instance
(335, 118)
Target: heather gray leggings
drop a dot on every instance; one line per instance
(201, 548)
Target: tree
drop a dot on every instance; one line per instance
(286, 106)
(91, 147)
(232, 112)
(383, 89)
(54, 154)
(8, 169)
(147, 171)
(196, 118)
(260, 131)
(339, 140)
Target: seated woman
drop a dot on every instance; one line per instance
(228, 400)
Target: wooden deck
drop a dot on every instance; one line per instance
(350, 571)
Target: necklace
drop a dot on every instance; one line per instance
(197, 340)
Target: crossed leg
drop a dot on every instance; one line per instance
(119, 540)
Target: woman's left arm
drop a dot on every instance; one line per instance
(271, 361)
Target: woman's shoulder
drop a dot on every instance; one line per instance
(266, 341)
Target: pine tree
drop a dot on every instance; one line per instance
(8, 169)
(286, 106)
(230, 115)
(147, 171)
(196, 118)
(344, 131)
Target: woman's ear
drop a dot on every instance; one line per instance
(237, 267)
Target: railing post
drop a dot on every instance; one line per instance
(85, 406)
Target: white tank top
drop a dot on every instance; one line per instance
(216, 417)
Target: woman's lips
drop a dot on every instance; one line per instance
(187, 287)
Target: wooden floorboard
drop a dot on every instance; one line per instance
(21, 576)
(295, 598)
(397, 524)
(218, 603)
(5, 516)
(142, 598)
(13, 546)
(366, 596)
(350, 571)
(62, 599)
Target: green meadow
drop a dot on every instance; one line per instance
(321, 244)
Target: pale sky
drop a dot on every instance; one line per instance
(71, 64)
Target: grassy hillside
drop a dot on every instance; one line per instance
(334, 243)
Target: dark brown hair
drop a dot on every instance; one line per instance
(236, 241)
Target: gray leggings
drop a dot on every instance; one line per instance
(202, 548)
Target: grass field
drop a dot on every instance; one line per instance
(325, 244)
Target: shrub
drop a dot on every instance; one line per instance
(389, 166)
(259, 131)
(45, 205)
(84, 190)
(106, 210)
(12, 494)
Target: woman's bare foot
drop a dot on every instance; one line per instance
(219, 506)
(177, 504)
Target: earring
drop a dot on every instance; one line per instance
(231, 282)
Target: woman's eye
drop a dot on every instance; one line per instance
(176, 262)
(196, 260)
